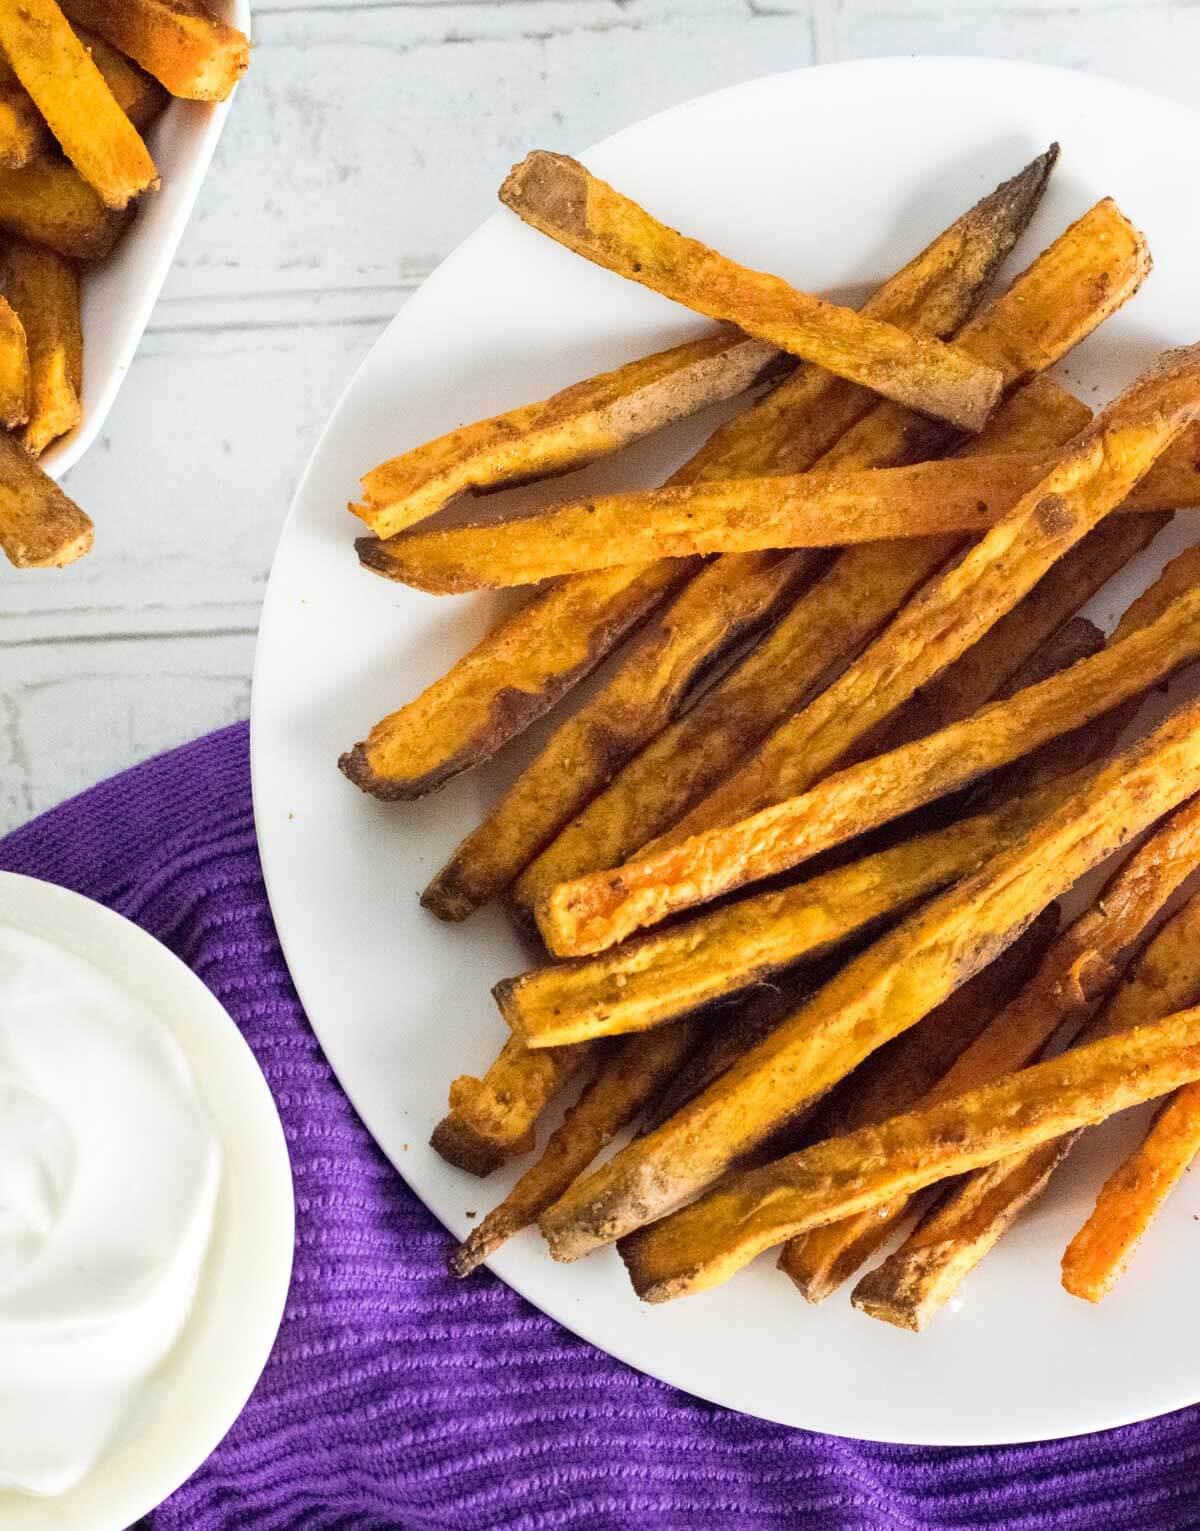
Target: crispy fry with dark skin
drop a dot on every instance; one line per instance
(44, 290)
(139, 95)
(890, 987)
(14, 368)
(493, 1118)
(574, 427)
(180, 42)
(630, 1074)
(49, 203)
(557, 195)
(690, 757)
(40, 528)
(73, 96)
(920, 1277)
(707, 1243)
(1167, 976)
(536, 656)
(586, 751)
(951, 612)
(1079, 969)
(867, 1095)
(814, 510)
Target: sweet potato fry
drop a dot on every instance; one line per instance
(918, 1279)
(14, 368)
(1166, 977)
(557, 195)
(49, 203)
(890, 987)
(139, 95)
(814, 510)
(23, 131)
(629, 1076)
(1079, 969)
(493, 1118)
(182, 44)
(587, 421)
(667, 974)
(44, 291)
(867, 1095)
(586, 751)
(705, 1244)
(536, 656)
(940, 623)
(39, 526)
(841, 610)
(72, 95)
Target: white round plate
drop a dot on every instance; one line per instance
(833, 177)
(204, 1383)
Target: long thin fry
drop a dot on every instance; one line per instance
(586, 751)
(815, 510)
(596, 910)
(536, 656)
(73, 96)
(629, 1076)
(920, 1277)
(1080, 968)
(44, 290)
(576, 426)
(868, 1095)
(139, 95)
(181, 42)
(706, 1244)
(557, 195)
(40, 527)
(889, 988)
(1167, 976)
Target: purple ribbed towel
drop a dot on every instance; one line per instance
(398, 1398)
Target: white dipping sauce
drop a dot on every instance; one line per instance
(109, 1168)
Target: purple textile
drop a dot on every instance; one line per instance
(398, 1398)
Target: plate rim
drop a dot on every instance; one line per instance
(625, 1353)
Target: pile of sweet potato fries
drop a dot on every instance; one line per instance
(854, 682)
(80, 81)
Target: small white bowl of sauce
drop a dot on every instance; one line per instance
(146, 1216)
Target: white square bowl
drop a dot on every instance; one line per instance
(119, 293)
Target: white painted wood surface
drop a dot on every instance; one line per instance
(368, 138)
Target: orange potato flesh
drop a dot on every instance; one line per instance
(576, 426)
(536, 656)
(1080, 968)
(23, 131)
(917, 1280)
(14, 368)
(1095, 472)
(49, 203)
(587, 750)
(887, 989)
(558, 196)
(43, 288)
(707, 1243)
(180, 42)
(39, 526)
(72, 95)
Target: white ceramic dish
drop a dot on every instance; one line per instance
(119, 293)
(207, 1378)
(833, 177)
